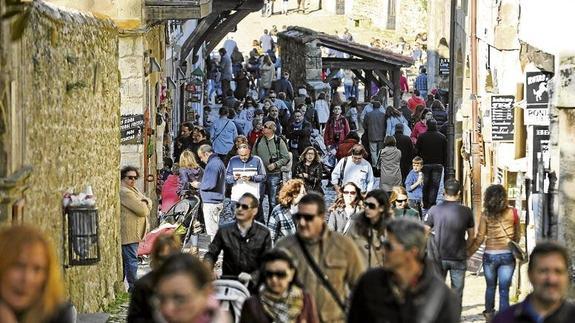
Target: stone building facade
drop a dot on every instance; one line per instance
(63, 121)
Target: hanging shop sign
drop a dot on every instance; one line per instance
(540, 153)
(537, 98)
(443, 66)
(132, 129)
(502, 117)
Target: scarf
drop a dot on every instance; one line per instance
(284, 308)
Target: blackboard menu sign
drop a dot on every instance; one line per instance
(132, 129)
(443, 66)
(502, 117)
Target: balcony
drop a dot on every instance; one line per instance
(159, 10)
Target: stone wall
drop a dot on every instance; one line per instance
(71, 98)
(411, 15)
(298, 61)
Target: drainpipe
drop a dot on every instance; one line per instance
(476, 146)
(451, 115)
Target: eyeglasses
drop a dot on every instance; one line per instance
(371, 206)
(349, 192)
(401, 201)
(279, 274)
(133, 178)
(243, 206)
(306, 217)
(267, 127)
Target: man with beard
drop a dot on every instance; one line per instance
(405, 288)
(548, 272)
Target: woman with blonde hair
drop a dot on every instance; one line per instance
(398, 201)
(190, 172)
(281, 223)
(31, 287)
(310, 170)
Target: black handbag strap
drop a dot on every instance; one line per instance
(219, 133)
(342, 172)
(320, 275)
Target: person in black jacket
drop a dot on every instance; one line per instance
(298, 132)
(432, 145)
(141, 309)
(310, 170)
(184, 140)
(243, 241)
(284, 85)
(405, 288)
(405, 145)
(439, 113)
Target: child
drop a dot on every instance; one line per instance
(414, 184)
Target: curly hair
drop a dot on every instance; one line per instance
(316, 158)
(289, 191)
(495, 200)
(339, 202)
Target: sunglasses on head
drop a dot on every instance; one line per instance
(371, 206)
(278, 274)
(243, 206)
(306, 217)
(349, 192)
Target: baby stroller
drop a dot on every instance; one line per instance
(181, 218)
(328, 159)
(231, 294)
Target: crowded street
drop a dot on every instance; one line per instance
(286, 161)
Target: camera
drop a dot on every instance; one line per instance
(273, 160)
(336, 137)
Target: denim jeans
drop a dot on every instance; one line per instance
(348, 90)
(130, 263)
(456, 270)
(374, 148)
(498, 267)
(272, 187)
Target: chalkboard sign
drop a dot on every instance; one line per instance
(502, 117)
(443, 66)
(132, 129)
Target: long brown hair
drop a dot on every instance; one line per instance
(13, 240)
(289, 191)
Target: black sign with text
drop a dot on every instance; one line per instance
(443, 66)
(540, 147)
(132, 129)
(502, 117)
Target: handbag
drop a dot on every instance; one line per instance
(515, 248)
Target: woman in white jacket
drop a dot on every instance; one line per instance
(322, 109)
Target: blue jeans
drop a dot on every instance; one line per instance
(498, 266)
(456, 270)
(348, 90)
(272, 187)
(130, 263)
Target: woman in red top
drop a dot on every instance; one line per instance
(421, 125)
(256, 131)
(336, 128)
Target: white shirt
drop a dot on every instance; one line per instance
(267, 42)
(360, 174)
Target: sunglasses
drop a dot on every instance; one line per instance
(243, 206)
(279, 274)
(267, 127)
(132, 177)
(349, 192)
(371, 206)
(306, 217)
(400, 201)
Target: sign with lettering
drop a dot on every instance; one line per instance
(502, 117)
(443, 66)
(537, 98)
(132, 129)
(540, 148)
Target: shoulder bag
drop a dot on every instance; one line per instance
(320, 275)
(515, 248)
